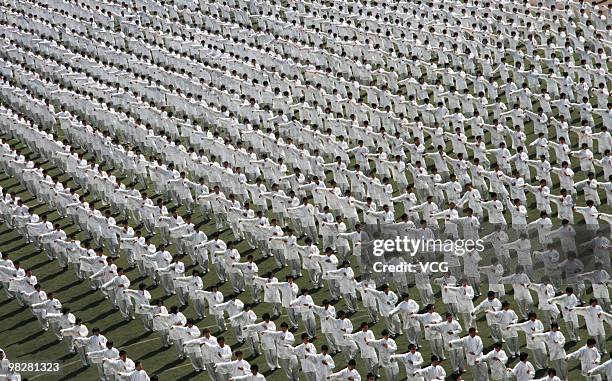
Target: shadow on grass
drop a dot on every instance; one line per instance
(118, 324)
(101, 316)
(13, 313)
(14, 239)
(39, 265)
(20, 323)
(50, 276)
(30, 256)
(189, 376)
(168, 366)
(69, 286)
(43, 347)
(72, 375)
(155, 353)
(135, 340)
(31, 337)
(81, 296)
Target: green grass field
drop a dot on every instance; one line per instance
(22, 339)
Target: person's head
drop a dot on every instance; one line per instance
(554, 327)
(351, 364)
(523, 356)
(434, 360)
(591, 342)
(254, 369)
(472, 332)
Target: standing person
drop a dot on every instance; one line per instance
(595, 327)
(268, 342)
(113, 366)
(303, 304)
(429, 317)
(523, 370)
(368, 299)
(491, 303)
(504, 318)
(220, 353)
(555, 342)
(538, 349)
(289, 291)
(138, 374)
(433, 371)
(465, 306)
(303, 353)
(342, 326)
(327, 328)
(199, 353)
(605, 368)
(348, 373)
(589, 358)
(254, 376)
(405, 309)
(368, 353)
(496, 359)
(285, 351)
(93, 343)
(386, 347)
(387, 300)
(472, 345)
(545, 291)
(450, 330)
(120, 300)
(567, 302)
(272, 295)
(412, 361)
(323, 363)
(97, 357)
(140, 298)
